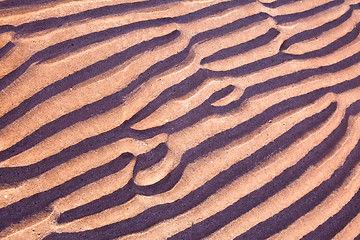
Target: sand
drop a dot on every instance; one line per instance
(179, 119)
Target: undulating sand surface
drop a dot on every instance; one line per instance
(179, 119)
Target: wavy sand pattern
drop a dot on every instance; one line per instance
(198, 119)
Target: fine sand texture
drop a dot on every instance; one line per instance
(179, 119)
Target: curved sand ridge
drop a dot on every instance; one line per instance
(178, 119)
